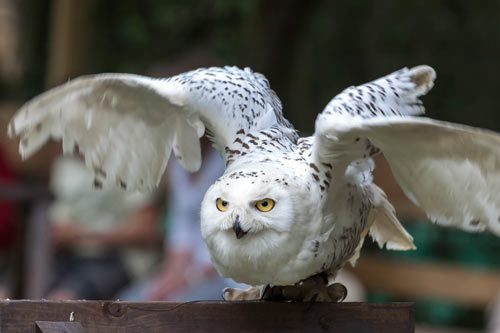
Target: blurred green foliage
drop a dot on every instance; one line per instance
(310, 50)
(129, 36)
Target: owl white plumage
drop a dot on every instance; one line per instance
(286, 208)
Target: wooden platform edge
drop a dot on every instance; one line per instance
(112, 316)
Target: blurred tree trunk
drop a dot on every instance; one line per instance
(67, 40)
(279, 25)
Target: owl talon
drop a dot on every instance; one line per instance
(273, 293)
(265, 292)
(337, 292)
(315, 289)
(312, 301)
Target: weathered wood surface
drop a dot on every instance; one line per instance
(59, 326)
(117, 316)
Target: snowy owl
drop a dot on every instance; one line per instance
(288, 212)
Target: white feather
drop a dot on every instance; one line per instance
(126, 125)
(384, 226)
(451, 171)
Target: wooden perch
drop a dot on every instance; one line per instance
(117, 316)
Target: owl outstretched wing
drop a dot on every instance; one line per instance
(451, 171)
(127, 125)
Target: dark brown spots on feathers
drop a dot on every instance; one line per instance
(322, 188)
(328, 165)
(315, 248)
(374, 150)
(100, 172)
(241, 131)
(122, 184)
(267, 134)
(76, 149)
(97, 184)
(312, 165)
(315, 177)
(245, 145)
(238, 140)
(252, 136)
(232, 152)
(475, 222)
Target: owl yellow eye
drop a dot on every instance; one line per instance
(221, 204)
(265, 205)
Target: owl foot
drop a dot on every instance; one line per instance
(313, 289)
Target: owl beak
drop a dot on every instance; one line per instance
(237, 228)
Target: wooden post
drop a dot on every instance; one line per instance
(117, 316)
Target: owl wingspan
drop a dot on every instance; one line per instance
(127, 125)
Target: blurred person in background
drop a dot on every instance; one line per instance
(101, 239)
(186, 272)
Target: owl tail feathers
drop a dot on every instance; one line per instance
(384, 227)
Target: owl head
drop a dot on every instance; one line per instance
(251, 219)
(251, 207)
(247, 202)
